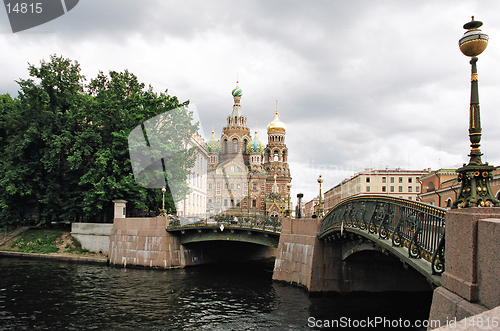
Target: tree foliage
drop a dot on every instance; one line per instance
(64, 150)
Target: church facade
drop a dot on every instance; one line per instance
(244, 177)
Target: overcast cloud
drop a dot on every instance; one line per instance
(360, 84)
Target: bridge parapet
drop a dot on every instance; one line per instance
(257, 230)
(271, 224)
(418, 227)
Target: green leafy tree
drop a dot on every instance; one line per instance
(65, 149)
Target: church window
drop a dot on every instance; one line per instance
(232, 186)
(254, 203)
(225, 146)
(225, 202)
(276, 156)
(210, 186)
(232, 203)
(235, 145)
(254, 186)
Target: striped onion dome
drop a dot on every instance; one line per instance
(213, 145)
(255, 145)
(237, 92)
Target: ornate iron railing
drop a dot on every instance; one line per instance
(272, 224)
(414, 225)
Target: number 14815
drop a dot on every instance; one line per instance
(24, 8)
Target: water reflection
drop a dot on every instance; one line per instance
(42, 295)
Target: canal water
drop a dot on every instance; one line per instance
(48, 295)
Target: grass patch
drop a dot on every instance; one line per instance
(37, 241)
(75, 247)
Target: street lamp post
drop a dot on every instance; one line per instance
(320, 207)
(163, 211)
(475, 176)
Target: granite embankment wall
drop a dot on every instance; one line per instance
(144, 242)
(93, 236)
(471, 281)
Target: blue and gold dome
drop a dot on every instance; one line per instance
(213, 145)
(255, 145)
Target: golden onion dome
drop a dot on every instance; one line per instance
(276, 125)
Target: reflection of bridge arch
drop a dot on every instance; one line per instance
(411, 231)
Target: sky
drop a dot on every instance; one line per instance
(359, 84)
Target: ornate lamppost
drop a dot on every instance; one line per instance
(163, 212)
(475, 176)
(320, 207)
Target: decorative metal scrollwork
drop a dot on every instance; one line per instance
(437, 263)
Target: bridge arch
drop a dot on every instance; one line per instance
(411, 231)
(260, 231)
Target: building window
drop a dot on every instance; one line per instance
(232, 186)
(225, 202)
(254, 203)
(409, 179)
(232, 203)
(409, 189)
(401, 189)
(384, 189)
(238, 186)
(409, 198)
(400, 179)
(210, 186)
(384, 179)
(254, 186)
(209, 200)
(368, 189)
(367, 179)
(417, 189)
(392, 179)
(392, 188)
(235, 145)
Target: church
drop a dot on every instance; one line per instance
(245, 178)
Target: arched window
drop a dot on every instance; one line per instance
(245, 143)
(235, 145)
(284, 156)
(276, 156)
(225, 146)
